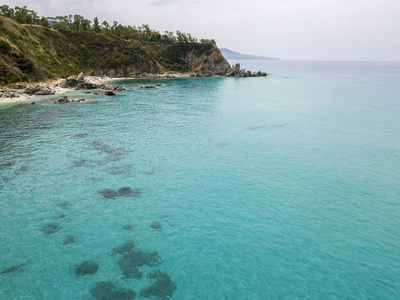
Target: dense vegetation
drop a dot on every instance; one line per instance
(34, 48)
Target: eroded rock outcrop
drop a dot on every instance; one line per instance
(79, 83)
(40, 89)
(235, 71)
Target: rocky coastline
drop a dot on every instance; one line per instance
(21, 92)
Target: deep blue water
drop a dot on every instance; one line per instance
(285, 187)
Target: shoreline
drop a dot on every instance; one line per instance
(55, 87)
(59, 86)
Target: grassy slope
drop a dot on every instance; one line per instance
(33, 53)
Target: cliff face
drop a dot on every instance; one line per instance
(212, 63)
(34, 53)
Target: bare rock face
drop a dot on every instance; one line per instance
(79, 83)
(39, 90)
(235, 71)
(9, 93)
(62, 100)
(80, 77)
(210, 63)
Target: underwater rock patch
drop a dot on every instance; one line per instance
(119, 170)
(82, 163)
(109, 193)
(114, 153)
(64, 204)
(156, 225)
(131, 272)
(80, 135)
(279, 125)
(255, 127)
(163, 288)
(50, 228)
(128, 192)
(107, 290)
(68, 240)
(22, 169)
(150, 172)
(126, 247)
(130, 262)
(95, 179)
(128, 227)
(61, 216)
(6, 163)
(195, 87)
(5, 146)
(85, 268)
(139, 258)
(122, 192)
(13, 269)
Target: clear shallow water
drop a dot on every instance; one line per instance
(278, 188)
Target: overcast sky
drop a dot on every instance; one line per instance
(288, 29)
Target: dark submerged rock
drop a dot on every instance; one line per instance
(113, 153)
(130, 262)
(85, 268)
(22, 169)
(279, 125)
(5, 146)
(163, 288)
(82, 163)
(6, 163)
(109, 93)
(156, 225)
(126, 247)
(149, 173)
(107, 290)
(128, 227)
(255, 127)
(13, 269)
(128, 192)
(119, 170)
(64, 204)
(61, 216)
(68, 240)
(50, 228)
(131, 272)
(80, 135)
(95, 179)
(109, 193)
(125, 191)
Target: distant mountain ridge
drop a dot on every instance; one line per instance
(229, 54)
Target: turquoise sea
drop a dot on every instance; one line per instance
(285, 187)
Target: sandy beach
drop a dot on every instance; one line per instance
(54, 85)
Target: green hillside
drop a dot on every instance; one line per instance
(36, 52)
